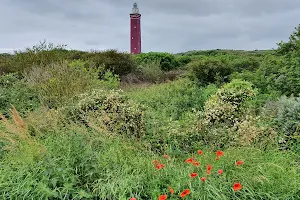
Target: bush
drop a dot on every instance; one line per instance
(245, 63)
(288, 121)
(109, 111)
(58, 83)
(42, 54)
(225, 106)
(166, 61)
(170, 113)
(117, 62)
(183, 60)
(14, 91)
(210, 70)
(264, 78)
(150, 72)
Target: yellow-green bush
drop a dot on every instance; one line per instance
(58, 83)
(210, 70)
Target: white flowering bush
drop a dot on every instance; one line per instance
(225, 106)
(109, 111)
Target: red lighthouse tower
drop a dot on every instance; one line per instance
(135, 30)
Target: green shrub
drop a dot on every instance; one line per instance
(169, 113)
(183, 60)
(58, 83)
(210, 70)
(288, 121)
(5, 63)
(42, 54)
(109, 111)
(166, 61)
(264, 78)
(150, 72)
(225, 106)
(14, 91)
(292, 46)
(245, 63)
(117, 62)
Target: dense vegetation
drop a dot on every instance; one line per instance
(217, 124)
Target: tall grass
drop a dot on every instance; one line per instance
(90, 165)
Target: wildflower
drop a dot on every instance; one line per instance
(184, 193)
(159, 166)
(239, 162)
(193, 175)
(220, 171)
(207, 172)
(217, 158)
(237, 186)
(220, 153)
(162, 197)
(166, 156)
(171, 190)
(200, 152)
(155, 162)
(203, 179)
(132, 198)
(195, 163)
(209, 167)
(189, 160)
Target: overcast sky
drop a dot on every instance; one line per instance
(167, 25)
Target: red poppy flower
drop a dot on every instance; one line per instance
(159, 166)
(200, 152)
(184, 193)
(220, 153)
(239, 162)
(193, 175)
(195, 163)
(162, 197)
(171, 190)
(237, 186)
(217, 158)
(203, 179)
(155, 162)
(189, 160)
(132, 198)
(209, 167)
(207, 172)
(220, 171)
(166, 156)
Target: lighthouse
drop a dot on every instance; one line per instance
(135, 30)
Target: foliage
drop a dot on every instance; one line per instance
(166, 61)
(14, 91)
(58, 83)
(281, 72)
(288, 119)
(117, 62)
(42, 54)
(170, 112)
(225, 106)
(265, 77)
(292, 46)
(78, 165)
(210, 70)
(150, 72)
(183, 60)
(109, 111)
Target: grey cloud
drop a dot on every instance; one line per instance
(167, 25)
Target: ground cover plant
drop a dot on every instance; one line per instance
(215, 124)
